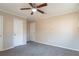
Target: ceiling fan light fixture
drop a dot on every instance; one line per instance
(34, 10)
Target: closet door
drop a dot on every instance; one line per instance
(33, 31)
(18, 32)
(1, 33)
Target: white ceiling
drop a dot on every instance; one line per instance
(53, 9)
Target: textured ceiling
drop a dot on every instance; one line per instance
(53, 9)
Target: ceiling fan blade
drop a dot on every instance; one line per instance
(42, 5)
(31, 5)
(31, 13)
(40, 11)
(25, 8)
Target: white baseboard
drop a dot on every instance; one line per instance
(57, 46)
(7, 48)
(41, 43)
(11, 47)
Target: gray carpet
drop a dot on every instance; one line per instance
(37, 49)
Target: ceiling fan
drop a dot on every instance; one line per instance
(35, 8)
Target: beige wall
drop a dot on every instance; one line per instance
(8, 29)
(59, 31)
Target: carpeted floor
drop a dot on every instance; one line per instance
(37, 49)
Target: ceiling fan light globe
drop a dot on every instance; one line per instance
(34, 10)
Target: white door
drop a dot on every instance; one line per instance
(33, 31)
(1, 33)
(18, 32)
